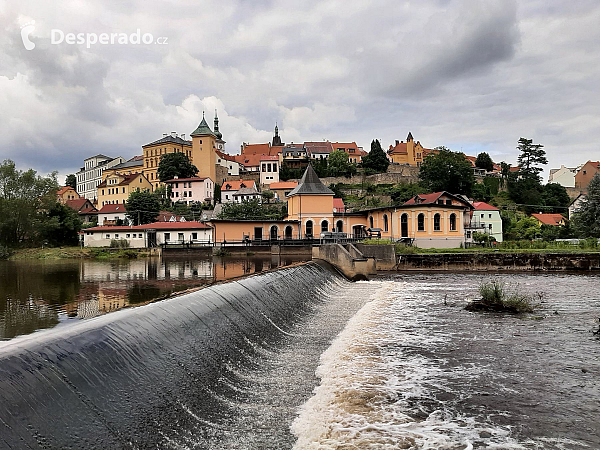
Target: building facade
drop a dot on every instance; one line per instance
(191, 190)
(269, 170)
(565, 176)
(586, 173)
(91, 174)
(485, 218)
(154, 151)
(116, 188)
(149, 235)
(409, 152)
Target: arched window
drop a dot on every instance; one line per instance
(339, 226)
(421, 222)
(452, 222)
(274, 233)
(436, 223)
(324, 226)
(385, 222)
(309, 229)
(404, 225)
(288, 232)
(371, 222)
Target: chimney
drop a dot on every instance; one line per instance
(183, 136)
(397, 141)
(165, 134)
(173, 134)
(176, 177)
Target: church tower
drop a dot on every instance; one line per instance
(220, 142)
(276, 139)
(204, 144)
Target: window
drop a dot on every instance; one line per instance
(167, 237)
(468, 235)
(309, 228)
(448, 202)
(421, 222)
(490, 226)
(108, 236)
(490, 216)
(385, 222)
(116, 235)
(274, 167)
(440, 202)
(404, 225)
(371, 222)
(140, 235)
(436, 223)
(194, 236)
(127, 235)
(324, 226)
(452, 222)
(189, 193)
(180, 236)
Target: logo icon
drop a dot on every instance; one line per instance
(26, 30)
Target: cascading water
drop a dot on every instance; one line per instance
(159, 375)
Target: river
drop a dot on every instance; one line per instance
(301, 358)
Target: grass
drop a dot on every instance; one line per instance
(75, 253)
(495, 297)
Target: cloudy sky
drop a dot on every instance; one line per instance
(470, 75)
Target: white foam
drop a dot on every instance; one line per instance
(370, 391)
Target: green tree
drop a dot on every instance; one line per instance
(484, 161)
(142, 207)
(24, 196)
(555, 195)
(527, 228)
(252, 210)
(217, 194)
(320, 166)
(532, 155)
(401, 193)
(338, 165)
(174, 165)
(481, 192)
(288, 173)
(59, 226)
(447, 171)
(376, 160)
(163, 194)
(71, 180)
(267, 195)
(586, 221)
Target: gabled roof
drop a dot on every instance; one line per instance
(248, 160)
(225, 156)
(203, 129)
(283, 185)
(246, 191)
(256, 149)
(483, 206)
(236, 185)
(111, 209)
(318, 147)
(81, 205)
(167, 216)
(431, 199)
(338, 205)
(64, 189)
(549, 219)
(133, 162)
(168, 139)
(310, 184)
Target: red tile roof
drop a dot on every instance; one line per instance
(549, 219)
(155, 226)
(483, 206)
(64, 189)
(318, 147)
(256, 149)
(225, 156)
(338, 205)
(248, 160)
(283, 185)
(269, 158)
(81, 205)
(236, 185)
(430, 199)
(108, 209)
(127, 179)
(165, 216)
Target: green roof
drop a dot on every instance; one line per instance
(203, 129)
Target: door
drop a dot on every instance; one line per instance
(258, 233)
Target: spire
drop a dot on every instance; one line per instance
(203, 129)
(276, 139)
(216, 128)
(409, 137)
(310, 184)
(276, 130)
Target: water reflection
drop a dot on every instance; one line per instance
(42, 294)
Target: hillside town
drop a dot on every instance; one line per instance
(190, 189)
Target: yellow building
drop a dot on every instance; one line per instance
(134, 165)
(115, 189)
(409, 152)
(66, 193)
(153, 152)
(311, 203)
(201, 151)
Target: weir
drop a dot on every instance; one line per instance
(137, 377)
(347, 259)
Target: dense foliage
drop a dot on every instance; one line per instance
(29, 212)
(484, 161)
(71, 180)
(447, 171)
(532, 156)
(376, 160)
(252, 210)
(174, 165)
(586, 220)
(338, 165)
(142, 207)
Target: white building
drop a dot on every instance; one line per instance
(190, 190)
(110, 214)
(485, 219)
(231, 187)
(576, 204)
(90, 175)
(269, 170)
(149, 235)
(565, 176)
(229, 162)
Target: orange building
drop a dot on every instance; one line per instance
(354, 152)
(586, 173)
(409, 152)
(66, 193)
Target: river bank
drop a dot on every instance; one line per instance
(56, 253)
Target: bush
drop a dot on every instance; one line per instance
(129, 254)
(495, 297)
(119, 243)
(4, 252)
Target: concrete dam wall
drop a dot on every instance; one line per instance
(151, 376)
